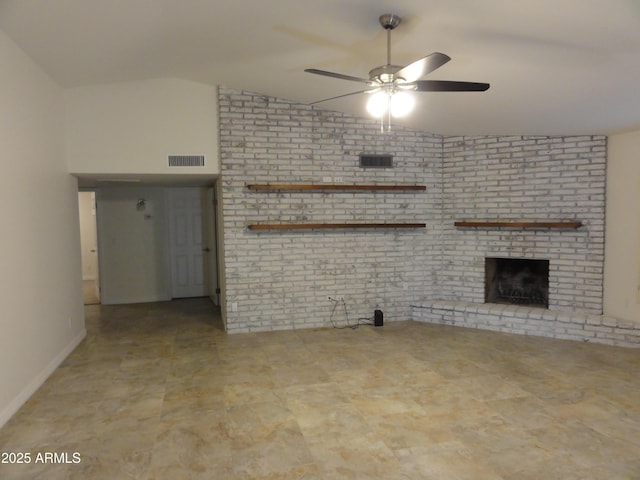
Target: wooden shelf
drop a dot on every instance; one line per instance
(518, 224)
(334, 187)
(309, 226)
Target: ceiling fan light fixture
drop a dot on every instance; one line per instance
(398, 104)
(401, 104)
(378, 104)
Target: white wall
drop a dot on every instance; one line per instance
(134, 262)
(622, 241)
(131, 128)
(41, 312)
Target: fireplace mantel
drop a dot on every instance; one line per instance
(517, 224)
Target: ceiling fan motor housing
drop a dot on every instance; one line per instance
(384, 73)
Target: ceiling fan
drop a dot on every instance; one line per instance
(389, 84)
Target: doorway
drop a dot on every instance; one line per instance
(89, 247)
(192, 246)
(153, 243)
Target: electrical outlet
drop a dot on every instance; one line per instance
(337, 179)
(326, 179)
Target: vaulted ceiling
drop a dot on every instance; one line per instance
(555, 66)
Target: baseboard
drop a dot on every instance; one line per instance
(10, 410)
(125, 301)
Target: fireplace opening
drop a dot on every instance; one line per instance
(517, 281)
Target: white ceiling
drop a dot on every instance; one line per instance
(555, 66)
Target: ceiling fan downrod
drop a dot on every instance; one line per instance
(389, 21)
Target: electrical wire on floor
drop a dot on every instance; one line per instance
(359, 321)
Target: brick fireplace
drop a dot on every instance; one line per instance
(525, 179)
(502, 183)
(435, 274)
(516, 281)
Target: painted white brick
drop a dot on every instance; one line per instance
(567, 325)
(281, 279)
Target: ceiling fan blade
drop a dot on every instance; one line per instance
(339, 96)
(449, 86)
(337, 75)
(420, 68)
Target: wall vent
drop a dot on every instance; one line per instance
(186, 160)
(376, 160)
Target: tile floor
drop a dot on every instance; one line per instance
(158, 391)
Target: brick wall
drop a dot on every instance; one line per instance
(523, 320)
(526, 178)
(281, 279)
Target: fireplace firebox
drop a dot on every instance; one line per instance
(517, 281)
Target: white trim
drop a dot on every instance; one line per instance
(37, 382)
(128, 300)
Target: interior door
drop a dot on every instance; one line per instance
(186, 243)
